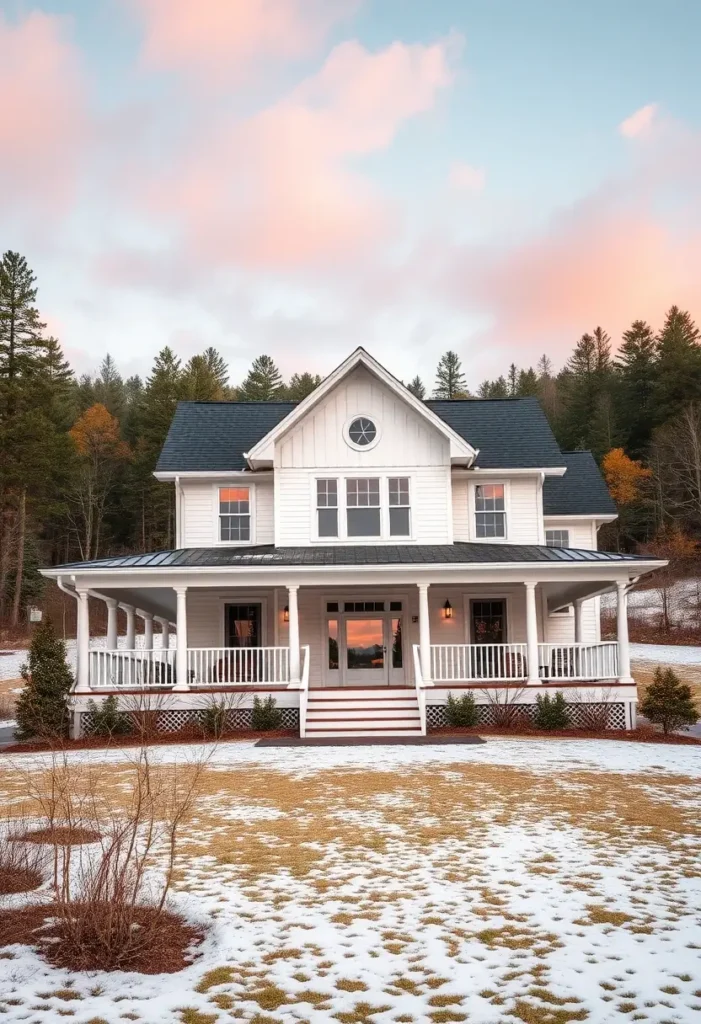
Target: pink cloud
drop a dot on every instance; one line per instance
(221, 39)
(640, 122)
(279, 188)
(465, 178)
(43, 118)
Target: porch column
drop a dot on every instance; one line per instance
(424, 633)
(578, 621)
(131, 626)
(83, 642)
(112, 612)
(181, 680)
(148, 630)
(532, 635)
(622, 630)
(293, 635)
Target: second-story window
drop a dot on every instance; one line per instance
(327, 508)
(490, 510)
(557, 538)
(363, 507)
(399, 510)
(234, 514)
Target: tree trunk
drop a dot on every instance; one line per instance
(19, 574)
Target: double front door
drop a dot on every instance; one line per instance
(365, 643)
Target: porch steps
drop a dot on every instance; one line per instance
(380, 711)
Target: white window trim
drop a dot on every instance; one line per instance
(557, 529)
(507, 597)
(245, 598)
(472, 511)
(360, 474)
(215, 506)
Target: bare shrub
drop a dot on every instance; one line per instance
(506, 710)
(21, 867)
(216, 713)
(591, 717)
(7, 707)
(144, 710)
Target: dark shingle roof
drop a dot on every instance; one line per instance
(580, 492)
(351, 555)
(212, 436)
(511, 433)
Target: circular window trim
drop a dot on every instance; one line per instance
(351, 443)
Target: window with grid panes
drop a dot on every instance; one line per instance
(399, 508)
(363, 507)
(490, 510)
(234, 514)
(327, 507)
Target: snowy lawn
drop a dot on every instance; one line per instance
(535, 880)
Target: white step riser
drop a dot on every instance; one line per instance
(365, 723)
(343, 707)
(339, 733)
(384, 715)
(378, 693)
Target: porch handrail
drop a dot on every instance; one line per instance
(304, 691)
(217, 666)
(421, 687)
(578, 661)
(456, 663)
(132, 669)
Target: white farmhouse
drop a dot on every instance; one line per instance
(360, 555)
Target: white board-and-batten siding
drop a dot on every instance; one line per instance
(316, 447)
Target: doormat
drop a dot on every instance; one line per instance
(369, 741)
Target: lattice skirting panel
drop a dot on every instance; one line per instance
(173, 721)
(584, 716)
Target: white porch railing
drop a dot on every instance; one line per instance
(453, 663)
(217, 666)
(578, 661)
(132, 669)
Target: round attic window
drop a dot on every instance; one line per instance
(362, 432)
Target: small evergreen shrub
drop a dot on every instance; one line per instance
(551, 712)
(107, 719)
(213, 717)
(266, 714)
(42, 707)
(669, 702)
(461, 712)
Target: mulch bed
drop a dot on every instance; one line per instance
(18, 880)
(60, 835)
(169, 941)
(641, 735)
(103, 742)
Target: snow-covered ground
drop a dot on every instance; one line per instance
(510, 881)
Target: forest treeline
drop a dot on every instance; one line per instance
(78, 452)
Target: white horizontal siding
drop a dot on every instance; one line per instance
(199, 519)
(523, 517)
(582, 532)
(205, 615)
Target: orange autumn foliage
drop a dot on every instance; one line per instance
(623, 476)
(96, 435)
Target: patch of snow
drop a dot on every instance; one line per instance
(666, 654)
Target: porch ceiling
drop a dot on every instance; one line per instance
(160, 601)
(560, 595)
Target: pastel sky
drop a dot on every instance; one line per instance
(298, 177)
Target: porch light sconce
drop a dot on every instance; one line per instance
(447, 610)
(286, 614)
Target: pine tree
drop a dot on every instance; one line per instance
(108, 388)
(205, 377)
(512, 381)
(301, 385)
(669, 702)
(42, 707)
(527, 383)
(636, 385)
(450, 380)
(417, 388)
(586, 382)
(678, 369)
(263, 382)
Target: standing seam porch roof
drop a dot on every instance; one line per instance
(352, 555)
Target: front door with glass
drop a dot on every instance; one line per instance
(365, 643)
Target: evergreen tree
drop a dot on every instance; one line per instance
(678, 368)
(494, 388)
(301, 385)
(108, 388)
(527, 383)
(669, 702)
(512, 381)
(636, 384)
(263, 382)
(42, 707)
(417, 388)
(585, 381)
(450, 380)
